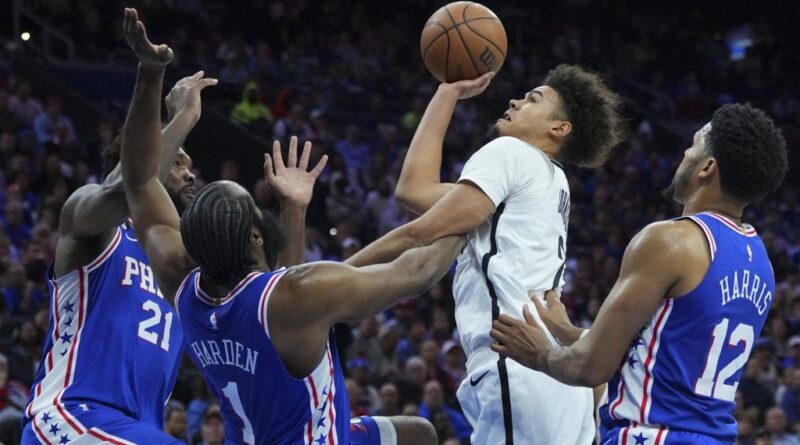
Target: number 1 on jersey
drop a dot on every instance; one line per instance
(709, 386)
(231, 391)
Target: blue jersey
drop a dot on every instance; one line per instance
(113, 341)
(261, 402)
(682, 371)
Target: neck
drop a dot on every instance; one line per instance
(549, 147)
(721, 206)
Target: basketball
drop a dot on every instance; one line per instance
(463, 40)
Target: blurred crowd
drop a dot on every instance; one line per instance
(347, 75)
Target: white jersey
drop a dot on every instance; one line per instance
(521, 247)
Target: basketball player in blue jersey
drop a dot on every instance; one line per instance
(692, 296)
(262, 338)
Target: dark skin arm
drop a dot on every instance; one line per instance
(293, 186)
(92, 213)
(313, 297)
(461, 210)
(419, 186)
(665, 260)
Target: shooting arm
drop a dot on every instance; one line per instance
(461, 210)
(172, 137)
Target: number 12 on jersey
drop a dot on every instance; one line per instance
(711, 383)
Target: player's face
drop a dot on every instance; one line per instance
(180, 183)
(684, 184)
(530, 117)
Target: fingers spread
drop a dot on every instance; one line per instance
(277, 156)
(269, 173)
(303, 165)
(320, 166)
(292, 160)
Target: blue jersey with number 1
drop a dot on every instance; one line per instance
(680, 374)
(262, 403)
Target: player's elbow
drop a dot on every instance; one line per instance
(592, 375)
(406, 198)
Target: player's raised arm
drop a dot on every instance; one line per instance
(659, 263)
(419, 186)
(156, 220)
(313, 297)
(184, 107)
(293, 185)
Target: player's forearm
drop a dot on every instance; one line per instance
(387, 248)
(573, 366)
(566, 334)
(141, 135)
(423, 162)
(293, 221)
(427, 265)
(172, 137)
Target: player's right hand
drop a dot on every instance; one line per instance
(185, 95)
(554, 316)
(136, 35)
(470, 88)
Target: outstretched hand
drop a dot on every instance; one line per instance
(185, 95)
(471, 88)
(523, 341)
(291, 182)
(136, 35)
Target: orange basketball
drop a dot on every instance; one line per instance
(463, 40)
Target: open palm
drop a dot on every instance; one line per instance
(290, 182)
(136, 36)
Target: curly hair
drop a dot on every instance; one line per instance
(750, 150)
(593, 110)
(111, 154)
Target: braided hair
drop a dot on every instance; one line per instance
(216, 227)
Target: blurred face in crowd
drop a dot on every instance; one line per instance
(175, 425)
(27, 333)
(430, 352)
(211, 431)
(533, 117)
(389, 399)
(794, 378)
(685, 181)
(180, 183)
(368, 328)
(417, 332)
(433, 395)
(775, 421)
(454, 359)
(415, 371)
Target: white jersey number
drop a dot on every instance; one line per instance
(231, 391)
(707, 385)
(144, 326)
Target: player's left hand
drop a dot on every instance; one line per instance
(185, 95)
(291, 182)
(136, 35)
(523, 341)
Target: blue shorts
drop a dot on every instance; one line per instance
(372, 431)
(78, 424)
(654, 435)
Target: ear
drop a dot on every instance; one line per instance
(255, 237)
(561, 129)
(709, 170)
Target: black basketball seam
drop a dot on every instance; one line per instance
(425, 52)
(463, 43)
(446, 30)
(464, 18)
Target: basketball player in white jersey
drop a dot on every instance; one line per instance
(513, 201)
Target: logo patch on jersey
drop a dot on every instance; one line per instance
(749, 254)
(130, 238)
(474, 381)
(213, 320)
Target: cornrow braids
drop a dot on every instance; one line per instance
(215, 229)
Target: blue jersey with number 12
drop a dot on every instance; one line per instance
(680, 374)
(262, 403)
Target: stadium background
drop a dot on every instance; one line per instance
(348, 76)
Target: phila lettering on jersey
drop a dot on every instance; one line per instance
(109, 326)
(681, 372)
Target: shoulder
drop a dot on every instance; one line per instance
(667, 241)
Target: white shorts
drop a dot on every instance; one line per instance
(538, 410)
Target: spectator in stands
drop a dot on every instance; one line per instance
(754, 394)
(212, 431)
(52, 126)
(355, 152)
(252, 112)
(295, 124)
(790, 399)
(26, 352)
(412, 344)
(389, 400)
(454, 364)
(365, 394)
(776, 425)
(433, 403)
(13, 397)
(14, 224)
(175, 420)
(24, 106)
(365, 344)
(8, 120)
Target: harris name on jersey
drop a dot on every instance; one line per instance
(740, 286)
(225, 352)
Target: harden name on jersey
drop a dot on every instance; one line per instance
(225, 352)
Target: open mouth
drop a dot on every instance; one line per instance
(506, 116)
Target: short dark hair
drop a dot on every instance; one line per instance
(111, 154)
(593, 110)
(750, 150)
